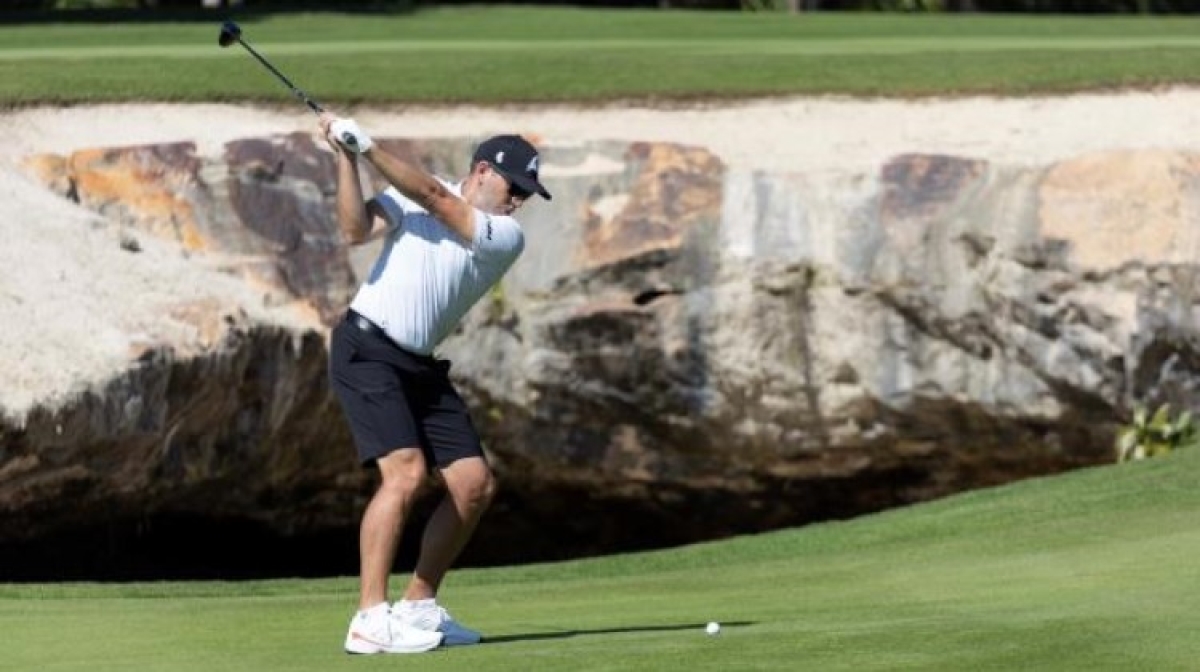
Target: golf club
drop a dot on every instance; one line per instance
(231, 32)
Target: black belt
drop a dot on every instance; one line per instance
(368, 327)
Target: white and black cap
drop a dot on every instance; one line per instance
(514, 158)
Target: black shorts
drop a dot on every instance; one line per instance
(396, 399)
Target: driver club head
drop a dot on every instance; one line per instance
(230, 33)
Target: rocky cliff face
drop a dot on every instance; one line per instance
(684, 352)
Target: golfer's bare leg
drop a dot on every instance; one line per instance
(470, 487)
(402, 474)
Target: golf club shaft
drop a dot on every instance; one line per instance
(230, 33)
(312, 104)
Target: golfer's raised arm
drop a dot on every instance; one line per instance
(355, 219)
(426, 191)
(419, 186)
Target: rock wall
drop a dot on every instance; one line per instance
(684, 352)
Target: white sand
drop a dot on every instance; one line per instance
(70, 298)
(797, 134)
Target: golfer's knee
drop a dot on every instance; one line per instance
(480, 490)
(471, 484)
(403, 472)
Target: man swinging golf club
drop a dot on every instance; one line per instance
(445, 245)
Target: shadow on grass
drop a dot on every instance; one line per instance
(561, 634)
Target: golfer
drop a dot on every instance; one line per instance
(445, 244)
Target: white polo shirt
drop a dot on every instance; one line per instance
(426, 277)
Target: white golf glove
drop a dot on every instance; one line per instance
(347, 134)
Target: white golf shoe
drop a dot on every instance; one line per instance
(375, 631)
(428, 616)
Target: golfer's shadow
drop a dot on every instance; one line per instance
(561, 634)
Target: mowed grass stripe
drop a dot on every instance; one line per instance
(549, 25)
(526, 55)
(578, 76)
(648, 48)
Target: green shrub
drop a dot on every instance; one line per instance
(1152, 435)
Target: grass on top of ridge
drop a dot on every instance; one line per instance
(493, 55)
(1091, 570)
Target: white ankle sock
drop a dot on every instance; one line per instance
(419, 604)
(381, 608)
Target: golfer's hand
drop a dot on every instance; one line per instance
(347, 134)
(326, 119)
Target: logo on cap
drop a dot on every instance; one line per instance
(500, 157)
(532, 167)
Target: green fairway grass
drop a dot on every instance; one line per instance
(1094, 570)
(497, 55)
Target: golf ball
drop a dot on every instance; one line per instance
(713, 628)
